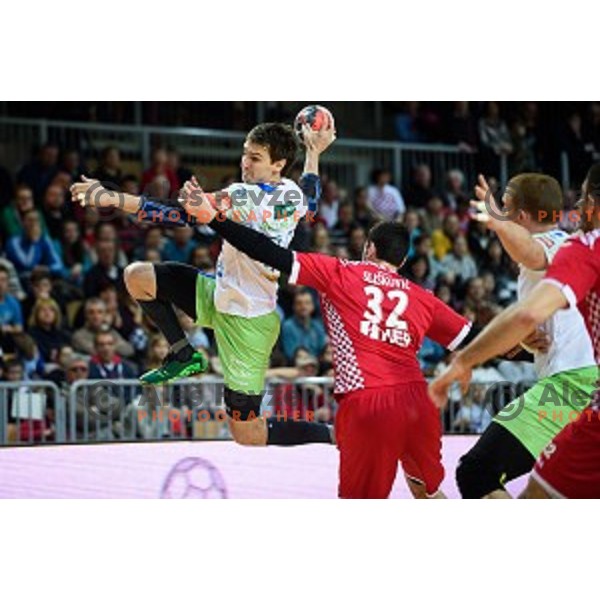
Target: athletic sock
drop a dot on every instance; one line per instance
(285, 432)
(164, 317)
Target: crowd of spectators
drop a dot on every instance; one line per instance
(532, 135)
(65, 315)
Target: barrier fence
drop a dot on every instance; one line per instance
(214, 154)
(101, 410)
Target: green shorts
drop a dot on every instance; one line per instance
(542, 412)
(244, 343)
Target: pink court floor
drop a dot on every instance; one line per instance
(189, 469)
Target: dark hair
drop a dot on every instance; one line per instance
(279, 139)
(302, 291)
(361, 189)
(107, 285)
(539, 195)
(420, 239)
(391, 241)
(40, 273)
(3, 269)
(442, 284)
(376, 174)
(593, 182)
(408, 268)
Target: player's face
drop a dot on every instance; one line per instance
(257, 166)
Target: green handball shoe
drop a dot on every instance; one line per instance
(173, 369)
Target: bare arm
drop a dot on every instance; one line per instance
(316, 142)
(514, 324)
(90, 192)
(516, 240)
(503, 333)
(521, 246)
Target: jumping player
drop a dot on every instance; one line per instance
(376, 321)
(570, 465)
(565, 368)
(239, 304)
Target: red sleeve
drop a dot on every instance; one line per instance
(447, 327)
(575, 270)
(314, 270)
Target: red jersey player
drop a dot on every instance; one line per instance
(376, 321)
(570, 464)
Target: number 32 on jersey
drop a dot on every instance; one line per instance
(376, 326)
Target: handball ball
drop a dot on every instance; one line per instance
(315, 116)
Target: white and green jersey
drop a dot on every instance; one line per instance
(244, 286)
(571, 347)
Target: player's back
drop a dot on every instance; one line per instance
(376, 320)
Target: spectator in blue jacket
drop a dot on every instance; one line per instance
(33, 248)
(11, 317)
(302, 330)
(179, 248)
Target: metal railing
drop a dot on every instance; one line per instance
(31, 412)
(214, 154)
(123, 410)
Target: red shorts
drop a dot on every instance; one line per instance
(569, 467)
(377, 428)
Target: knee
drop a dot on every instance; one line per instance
(249, 433)
(466, 472)
(477, 477)
(140, 280)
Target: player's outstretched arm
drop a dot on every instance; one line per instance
(503, 333)
(516, 240)
(91, 192)
(256, 245)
